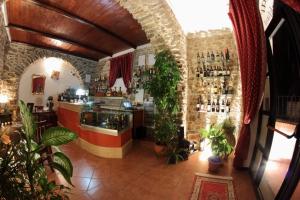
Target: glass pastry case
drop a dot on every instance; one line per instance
(116, 120)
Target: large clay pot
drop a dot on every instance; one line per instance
(160, 150)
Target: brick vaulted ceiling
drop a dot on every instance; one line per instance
(92, 29)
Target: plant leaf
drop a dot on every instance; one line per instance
(57, 136)
(63, 172)
(64, 161)
(27, 120)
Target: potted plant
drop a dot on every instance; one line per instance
(219, 146)
(228, 129)
(162, 86)
(23, 175)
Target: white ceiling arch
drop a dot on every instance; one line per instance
(201, 15)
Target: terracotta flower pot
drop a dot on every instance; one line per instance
(160, 150)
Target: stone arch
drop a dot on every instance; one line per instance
(20, 56)
(164, 32)
(69, 77)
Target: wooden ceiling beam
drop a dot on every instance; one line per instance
(27, 29)
(56, 49)
(82, 20)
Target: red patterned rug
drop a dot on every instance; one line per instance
(211, 187)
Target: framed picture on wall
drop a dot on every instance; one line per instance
(38, 84)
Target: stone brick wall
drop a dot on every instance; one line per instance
(214, 41)
(164, 32)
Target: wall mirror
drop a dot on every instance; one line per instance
(38, 84)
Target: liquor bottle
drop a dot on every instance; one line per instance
(227, 108)
(197, 73)
(223, 106)
(198, 105)
(201, 104)
(208, 106)
(208, 57)
(201, 72)
(120, 92)
(212, 56)
(228, 71)
(217, 56)
(218, 106)
(222, 56)
(211, 72)
(202, 57)
(227, 56)
(215, 71)
(215, 89)
(213, 106)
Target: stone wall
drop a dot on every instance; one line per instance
(214, 41)
(164, 32)
(19, 56)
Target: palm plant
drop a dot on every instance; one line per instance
(22, 174)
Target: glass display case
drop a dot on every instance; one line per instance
(118, 120)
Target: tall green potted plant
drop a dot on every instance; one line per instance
(162, 86)
(22, 175)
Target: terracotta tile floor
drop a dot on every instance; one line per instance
(141, 176)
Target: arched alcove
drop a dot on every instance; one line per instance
(68, 77)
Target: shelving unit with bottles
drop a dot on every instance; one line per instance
(214, 72)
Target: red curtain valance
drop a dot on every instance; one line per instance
(121, 67)
(251, 45)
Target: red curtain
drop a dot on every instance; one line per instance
(295, 4)
(251, 45)
(121, 67)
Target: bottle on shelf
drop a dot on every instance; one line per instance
(202, 57)
(227, 108)
(208, 106)
(227, 55)
(201, 72)
(197, 73)
(218, 106)
(201, 104)
(213, 106)
(222, 56)
(217, 56)
(212, 56)
(215, 71)
(208, 57)
(223, 106)
(198, 105)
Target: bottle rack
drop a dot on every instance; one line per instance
(214, 74)
(141, 75)
(99, 86)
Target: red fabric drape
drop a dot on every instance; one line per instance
(121, 67)
(251, 45)
(38, 84)
(295, 4)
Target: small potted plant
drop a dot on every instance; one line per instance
(219, 146)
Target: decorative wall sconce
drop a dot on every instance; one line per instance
(55, 75)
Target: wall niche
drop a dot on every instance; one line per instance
(214, 86)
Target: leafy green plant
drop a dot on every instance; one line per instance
(228, 126)
(163, 88)
(22, 174)
(219, 144)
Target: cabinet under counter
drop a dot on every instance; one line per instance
(101, 141)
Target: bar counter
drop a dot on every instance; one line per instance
(103, 142)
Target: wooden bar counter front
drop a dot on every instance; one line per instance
(98, 132)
